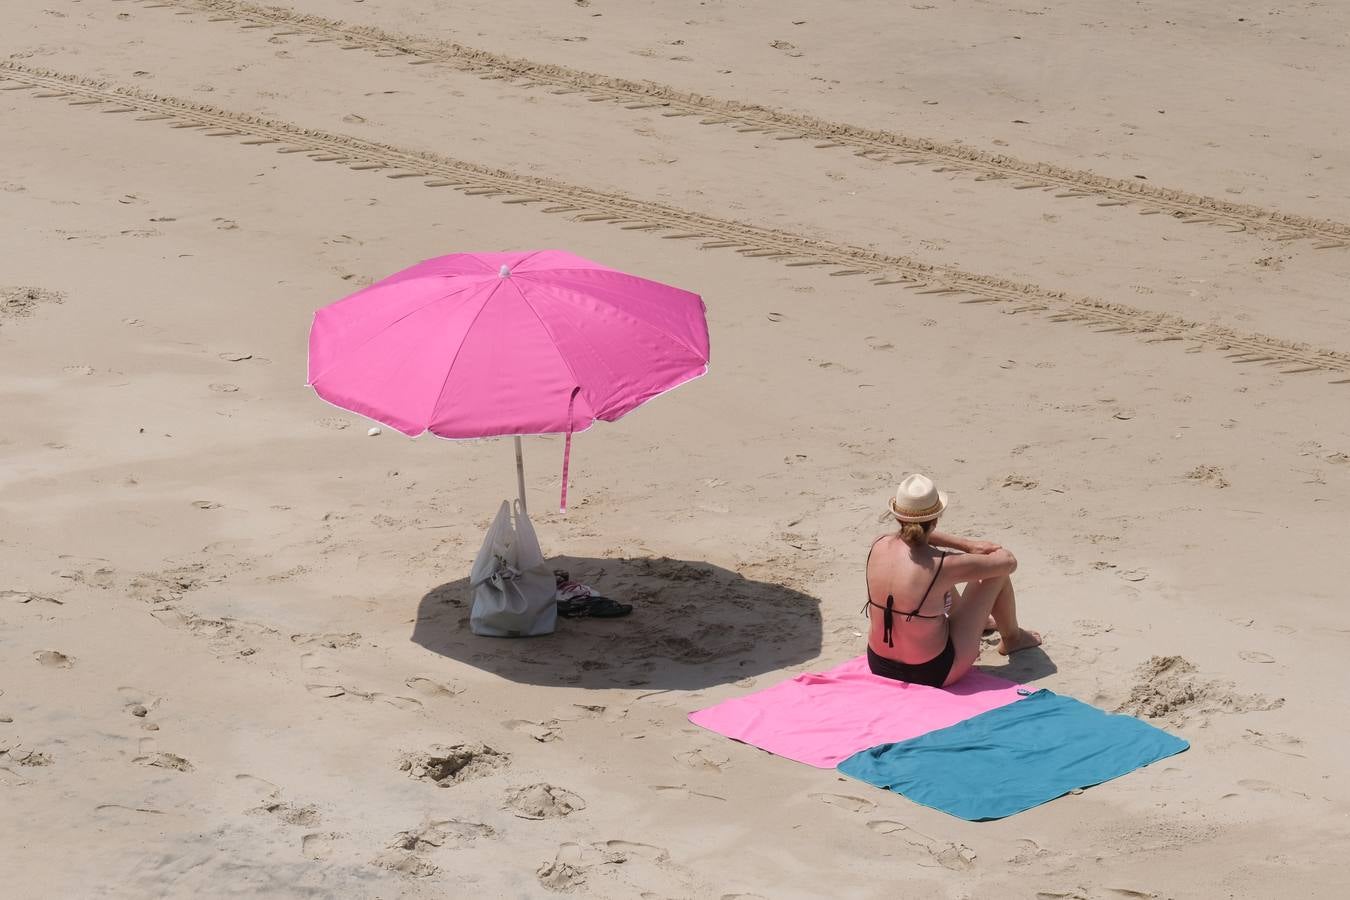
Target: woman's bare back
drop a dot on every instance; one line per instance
(914, 578)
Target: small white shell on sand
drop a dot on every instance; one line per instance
(373, 431)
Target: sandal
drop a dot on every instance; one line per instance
(593, 608)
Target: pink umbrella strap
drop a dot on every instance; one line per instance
(567, 448)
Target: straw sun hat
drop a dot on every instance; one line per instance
(916, 499)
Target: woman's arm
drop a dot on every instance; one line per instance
(965, 545)
(949, 541)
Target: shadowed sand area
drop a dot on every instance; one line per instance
(694, 626)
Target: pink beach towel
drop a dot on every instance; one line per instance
(823, 718)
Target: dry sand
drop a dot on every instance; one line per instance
(234, 656)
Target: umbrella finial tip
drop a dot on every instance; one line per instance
(504, 272)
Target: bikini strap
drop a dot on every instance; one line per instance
(866, 567)
(908, 616)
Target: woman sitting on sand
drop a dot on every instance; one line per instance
(925, 630)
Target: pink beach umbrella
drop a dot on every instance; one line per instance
(483, 344)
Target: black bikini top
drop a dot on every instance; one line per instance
(888, 620)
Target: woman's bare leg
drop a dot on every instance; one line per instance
(972, 611)
(1004, 613)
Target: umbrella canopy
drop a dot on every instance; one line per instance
(483, 344)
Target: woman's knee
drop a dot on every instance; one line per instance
(990, 587)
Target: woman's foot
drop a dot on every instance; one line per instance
(1023, 640)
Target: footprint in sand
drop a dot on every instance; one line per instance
(1256, 656)
(444, 766)
(28, 597)
(138, 696)
(542, 801)
(165, 761)
(326, 690)
(574, 712)
(18, 302)
(398, 701)
(312, 662)
(680, 792)
(1028, 851)
(405, 863)
(568, 870)
(1091, 628)
(543, 732)
(429, 688)
(318, 845)
(702, 760)
(332, 641)
(1266, 787)
(30, 758)
(126, 814)
(333, 691)
(957, 857)
(221, 387)
(137, 702)
(844, 801)
(1280, 742)
(306, 816)
(261, 785)
(628, 849)
(53, 659)
(10, 778)
(562, 877)
(439, 833)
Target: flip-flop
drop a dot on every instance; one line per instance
(593, 608)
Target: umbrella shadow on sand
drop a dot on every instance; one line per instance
(693, 625)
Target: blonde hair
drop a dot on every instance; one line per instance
(916, 533)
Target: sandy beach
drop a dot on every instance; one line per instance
(1084, 263)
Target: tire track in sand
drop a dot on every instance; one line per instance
(586, 205)
(749, 118)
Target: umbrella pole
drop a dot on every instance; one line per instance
(520, 475)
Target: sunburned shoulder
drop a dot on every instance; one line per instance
(891, 544)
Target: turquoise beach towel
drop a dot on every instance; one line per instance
(1014, 757)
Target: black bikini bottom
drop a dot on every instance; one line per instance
(932, 673)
